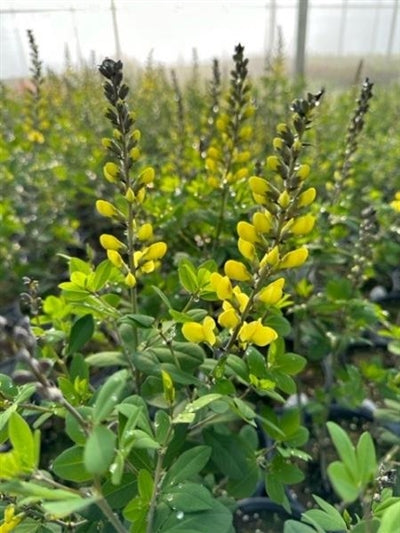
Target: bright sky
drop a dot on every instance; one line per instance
(171, 29)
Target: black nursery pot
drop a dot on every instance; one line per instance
(260, 515)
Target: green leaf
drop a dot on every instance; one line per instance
(342, 482)
(108, 396)
(145, 485)
(344, 448)
(101, 276)
(141, 321)
(34, 490)
(119, 496)
(328, 518)
(73, 428)
(104, 359)
(201, 402)
(292, 526)
(188, 497)
(77, 265)
(217, 519)
(187, 276)
(390, 519)
(69, 465)
(367, 526)
(366, 459)
(99, 450)
(290, 363)
(60, 509)
(276, 490)
(162, 424)
(141, 440)
(22, 441)
(7, 387)
(81, 332)
(188, 464)
(162, 296)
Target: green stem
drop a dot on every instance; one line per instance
(153, 500)
(107, 510)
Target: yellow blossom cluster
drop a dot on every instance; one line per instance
(140, 253)
(265, 243)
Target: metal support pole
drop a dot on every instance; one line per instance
(270, 28)
(392, 28)
(302, 9)
(342, 28)
(116, 33)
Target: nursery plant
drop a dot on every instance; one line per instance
(150, 395)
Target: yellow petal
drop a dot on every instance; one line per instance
(272, 293)
(109, 242)
(270, 258)
(115, 258)
(237, 271)
(307, 197)
(155, 251)
(106, 209)
(193, 332)
(247, 249)
(221, 285)
(258, 185)
(262, 221)
(228, 319)
(145, 232)
(130, 280)
(294, 259)
(111, 171)
(247, 231)
(303, 225)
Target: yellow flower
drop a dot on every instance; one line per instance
(115, 258)
(229, 319)
(130, 280)
(294, 259)
(237, 271)
(284, 199)
(240, 174)
(303, 172)
(145, 232)
(130, 195)
(303, 225)
(273, 162)
(204, 332)
(147, 176)
(255, 333)
(155, 251)
(272, 293)
(277, 143)
(106, 209)
(111, 172)
(106, 142)
(247, 231)
(148, 266)
(270, 258)
(140, 195)
(242, 157)
(221, 285)
(213, 153)
(11, 520)
(135, 153)
(211, 164)
(36, 137)
(262, 221)
(395, 204)
(245, 133)
(307, 197)
(109, 242)
(247, 249)
(258, 185)
(240, 298)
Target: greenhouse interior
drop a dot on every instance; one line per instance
(199, 266)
